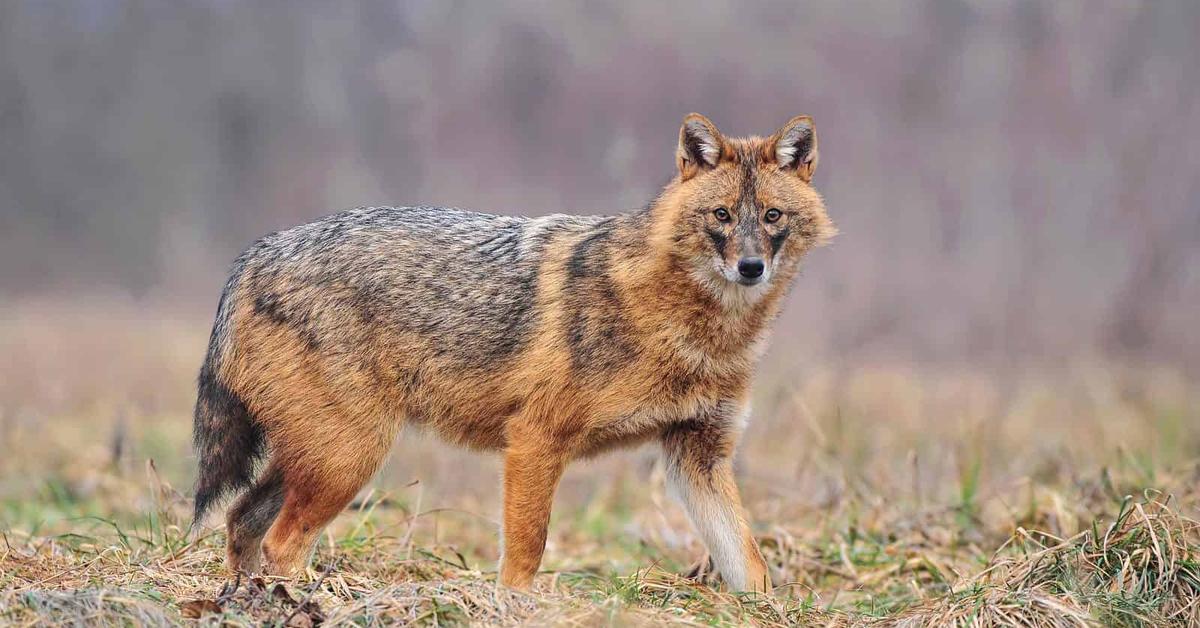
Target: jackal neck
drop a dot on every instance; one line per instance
(668, 296)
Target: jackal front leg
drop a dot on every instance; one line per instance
(531, 473)
(699, 463)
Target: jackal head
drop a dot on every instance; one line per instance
(742, 210)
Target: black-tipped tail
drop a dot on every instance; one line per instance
(227, 438)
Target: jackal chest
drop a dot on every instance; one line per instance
(642, 410)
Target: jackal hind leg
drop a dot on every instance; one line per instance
(248, 520)
(320, 480)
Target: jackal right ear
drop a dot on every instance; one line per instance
(700, 145)
(794, 147)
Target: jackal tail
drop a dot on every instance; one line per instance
(227, 438)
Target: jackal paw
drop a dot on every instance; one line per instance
(702, 570)
(245, 560)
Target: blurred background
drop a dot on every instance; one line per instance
(1010, 310)
(1012, 180)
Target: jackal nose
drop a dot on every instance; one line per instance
(750, 267)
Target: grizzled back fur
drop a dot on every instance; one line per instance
(338, 282)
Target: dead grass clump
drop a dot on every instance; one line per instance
(454, 601)
(1143, 569)
(655, 596)
(85, 607)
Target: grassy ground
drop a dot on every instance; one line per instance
(884, 495)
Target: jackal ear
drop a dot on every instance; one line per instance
(794, 147)
(700, 145)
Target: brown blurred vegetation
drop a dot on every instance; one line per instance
(1014, 182)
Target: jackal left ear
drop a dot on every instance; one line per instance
(794, 147)
(700, 145)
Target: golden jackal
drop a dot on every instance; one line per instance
(548, 339)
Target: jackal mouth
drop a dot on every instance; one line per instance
(726, 275)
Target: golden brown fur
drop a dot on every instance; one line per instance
(633, 331)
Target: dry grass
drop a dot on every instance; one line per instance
(883, 496)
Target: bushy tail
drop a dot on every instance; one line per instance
(227, 438)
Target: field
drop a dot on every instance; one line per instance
(882, 493)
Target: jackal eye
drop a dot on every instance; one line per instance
(721, 214)
(772, 215)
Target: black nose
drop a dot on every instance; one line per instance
(750, 267)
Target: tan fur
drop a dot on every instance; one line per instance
(330, 422)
